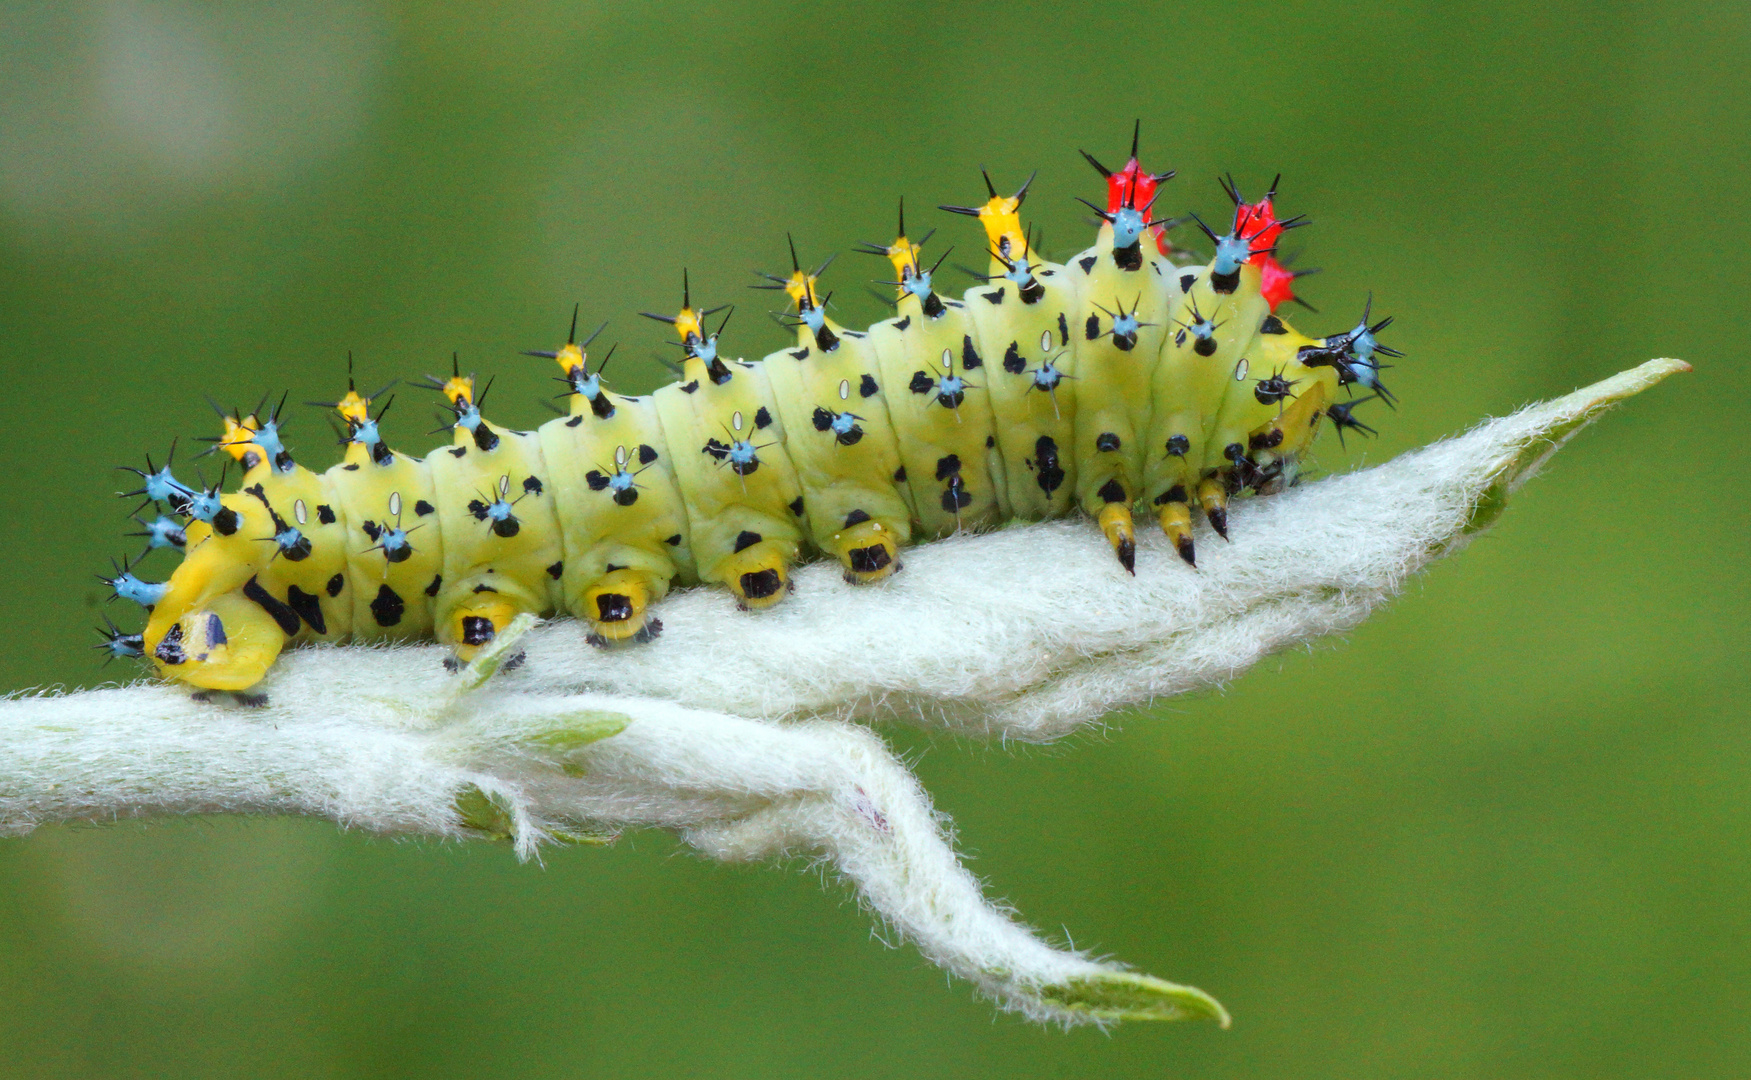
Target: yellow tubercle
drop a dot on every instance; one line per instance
(458, 388)
(239, 437)
(1001, 216)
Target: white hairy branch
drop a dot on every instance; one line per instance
(1025, 633)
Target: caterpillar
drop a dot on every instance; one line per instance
(1128, 379)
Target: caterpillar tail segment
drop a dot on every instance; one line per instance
(1116, 380)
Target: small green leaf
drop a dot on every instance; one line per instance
(485, 813)
(1123, 995)
(577, 731)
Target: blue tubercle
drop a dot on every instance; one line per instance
(203, 505)
(843, 423)
(918, 284)
(163, 533)
(1232, 252)
(1128, 226)
(129, 587)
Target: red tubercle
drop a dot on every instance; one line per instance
(1276, 283)
(1257, 222)
(1133, 187)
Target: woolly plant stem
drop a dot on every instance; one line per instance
(1024, 633)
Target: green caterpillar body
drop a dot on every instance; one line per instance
(1116, 380)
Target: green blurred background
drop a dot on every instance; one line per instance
(1501, 831)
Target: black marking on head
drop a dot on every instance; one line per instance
(800, 354)
(308, 606)
(1091, 329)
(170, 649)
(477, 630)
(921, 383)
(1272, 325)
(760, 584)
(993, 297)
(325, 513)
(336, 584)
(1063, 329)
(903, 324)
(674, 541)
(856, 517)
(557, 570)
(422, 508)
(970, 358)
(689, 387)
(285, 616)
(1012, 361)
(1087, 264)
(437, 583)
(459, 451)
(1178, 446)
(762, 418)
(531, 485)
(1186, 281)
(866, 386)
(1113, 492)
(1106, 441)
(646, 453)
(746, 539)
(867, 560)
(387, 608)
(796, 506)
(1049, 471)
(596, 480)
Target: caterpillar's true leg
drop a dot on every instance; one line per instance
(1115, 522)
(1213, 497)
(868, 550)
(758, 575)
(617, 607)
(1175, 516)
(227, 643)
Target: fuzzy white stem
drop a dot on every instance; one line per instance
(1026, 632)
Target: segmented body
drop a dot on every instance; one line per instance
(1120, 379)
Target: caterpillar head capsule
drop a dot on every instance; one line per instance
(226, 643)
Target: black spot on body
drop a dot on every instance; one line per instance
(1063, 329)
(796, 506)
(350, 468)
(954, 496)
(800, 354)
(308, 606)
(689, 387)
(867, 386)
(1087, 264)
(856, 517)
(646, 453)
(387, 608)
(459, 451)
(1012, 361)
(1113, 492)
(336, 584)
(1049, 471)
(437, 583)
(507, 528)
(532, 485)
(1186, 281)
(423, 508)
(746, 539)
(993, 297)
(948, 466)
(900, 475)
(823, 419)
(990, 441)
(1225, 283)
(762, 419)
(557, 570)
(674, 541)
(285, 616)
(1091, 329)
(903, 323)
(1178, 446)
(225, 522)
(575, 421)
(485, 437)
(1106, 442)
(970, 358)
(596, 480)
(325, 513)
(921, 383)
(1272, 325)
